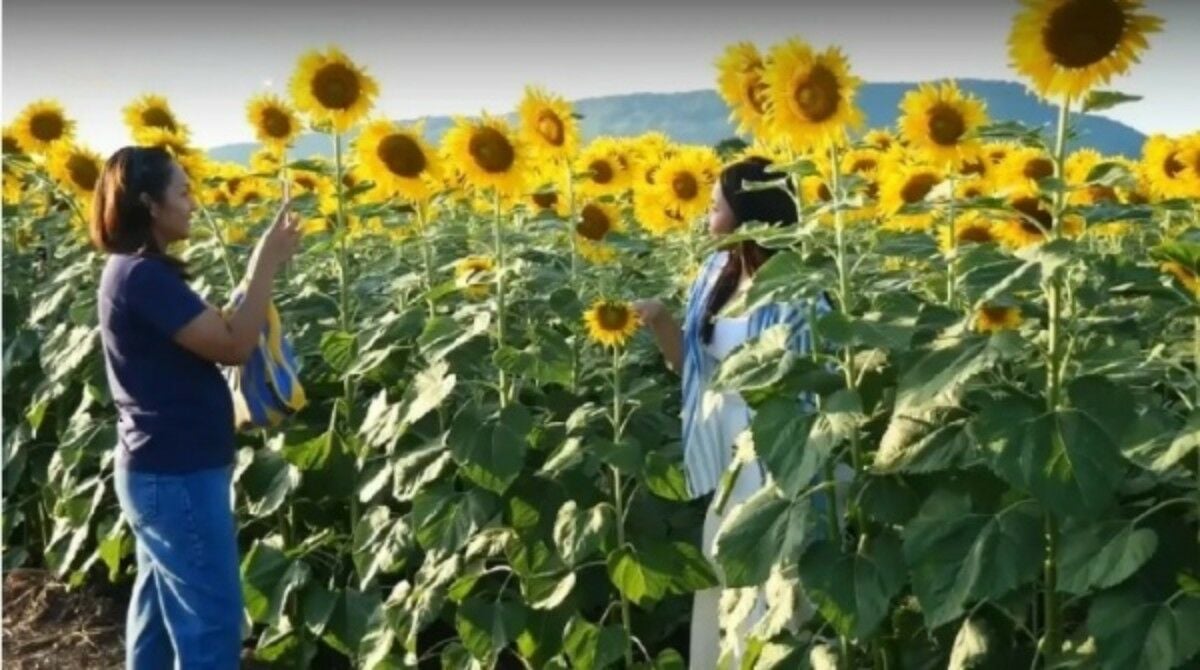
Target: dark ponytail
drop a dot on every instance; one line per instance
(771, 206)
(121, 222)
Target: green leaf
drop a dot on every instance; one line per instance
(545, 592)
(1133, 633)
(444, 518)
(854, 591)
(1098, 101)
(414, 470)
(491, 453)
(444, 334)
(756, 364)
(381, 426)
(957, 555)
(781, 428)
(970, 646)
(578, 533)
(664, 478)
(1102, 554)
(941, 372)
(646, 573)
(339, 349)
(591, 648)
(487, 626)
(429, 389)
(268, 578)
(349, 619)
(767, 528)
(267, 482)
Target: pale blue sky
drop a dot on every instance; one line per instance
(458, 57)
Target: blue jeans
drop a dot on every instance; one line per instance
(186, 607)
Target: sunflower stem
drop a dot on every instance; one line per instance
(618, 496)
(576, 340)
(498, 242)
(1052, 635)
(225, 257)
(952, 261)
(426, 255)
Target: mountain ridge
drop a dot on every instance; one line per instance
(701, 117)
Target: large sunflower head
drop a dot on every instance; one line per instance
(1067, 47)
(1078, 166)
(12, 145)
(610, 322)
(685, 181)
(1171, 167)
(274, 121)
(810, 95)
(151, 115)
(1031, 222)
(606, 166)
(740, 83)
(76, 168)
(1022, 168)
(654, 216)
(41, 125)
(398, 159)
(939, 121)
(969, 228)
(881, 140)
(487, 153)
(548, 126)
(331, 89)
(907, 185)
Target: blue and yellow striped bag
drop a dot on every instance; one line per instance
(266, 388)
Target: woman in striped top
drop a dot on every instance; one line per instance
(713, 421)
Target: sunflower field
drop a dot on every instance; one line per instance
(487, 472)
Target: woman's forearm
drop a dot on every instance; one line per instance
(669, 337)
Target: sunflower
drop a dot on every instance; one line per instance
(969, 228)
(76, 168)
(646, 154)
(654, 216)
(1078, 166)
(40, 125)
(398, 160)
(610, 322)
(487, 153)
(740, 84)
(810, 95)
(597, 219)
(266, 161)
(997, 153)
(907, 185)
(881, 140)
(995, 318)
(173, 143)
(1023, 167)
(867, 164)
(684, 181)
(1067, 47)
(939, 121)
(274, 121)
(12, 145)
(331, 89)
(472, 275)
(607, 168)
(151, 114)
(14, 186)
(1171, 166)
(1031, 221)
(548, 125)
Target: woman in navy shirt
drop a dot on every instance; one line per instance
(175, 451)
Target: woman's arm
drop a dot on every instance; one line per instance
(230, 340)
(666, 330)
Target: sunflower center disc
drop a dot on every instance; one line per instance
(974, 235)
(917, 187)
(157, 117)
(946, 125)
(550, 127)
(613, 317)
(685, 186)
(335, 86)
(11, 146)
(754, 91)
(593, 223)
(491, 150)
(545, 199)
(46, 126)
(276, 123)
(402, 155)
(817, 96)
(1039, 168)
(83, 171)
(1083, 32)
(864, 165)
(1172, 166)
(1030, 208)
(602, 171)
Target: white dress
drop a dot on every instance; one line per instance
(733, 416)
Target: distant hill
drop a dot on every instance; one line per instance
(701, 117)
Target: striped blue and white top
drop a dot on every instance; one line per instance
(705, 455)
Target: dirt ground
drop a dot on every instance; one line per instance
(46, 626)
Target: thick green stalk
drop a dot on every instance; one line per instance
(1052, 636)
(498, 242)
(426, 252)
(619, 499)
(844, 291)
(952, 261)
(216, 231)
(576, 340)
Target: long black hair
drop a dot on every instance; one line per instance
(772, 206)
(121, 222)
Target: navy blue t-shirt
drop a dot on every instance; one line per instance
(175, 413)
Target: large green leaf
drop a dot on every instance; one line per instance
(444, 518)
(756, 364)
(780, 428)
(578, 533)
(958, 555)
(349, 619)
(854, 590)
(487, 626)
(1102, 554)
(268, 578)
(1133, 633)
(267, 481)
(767, 528)
(492, 453)
(590, 647)
(651, 570)
(941, 372)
